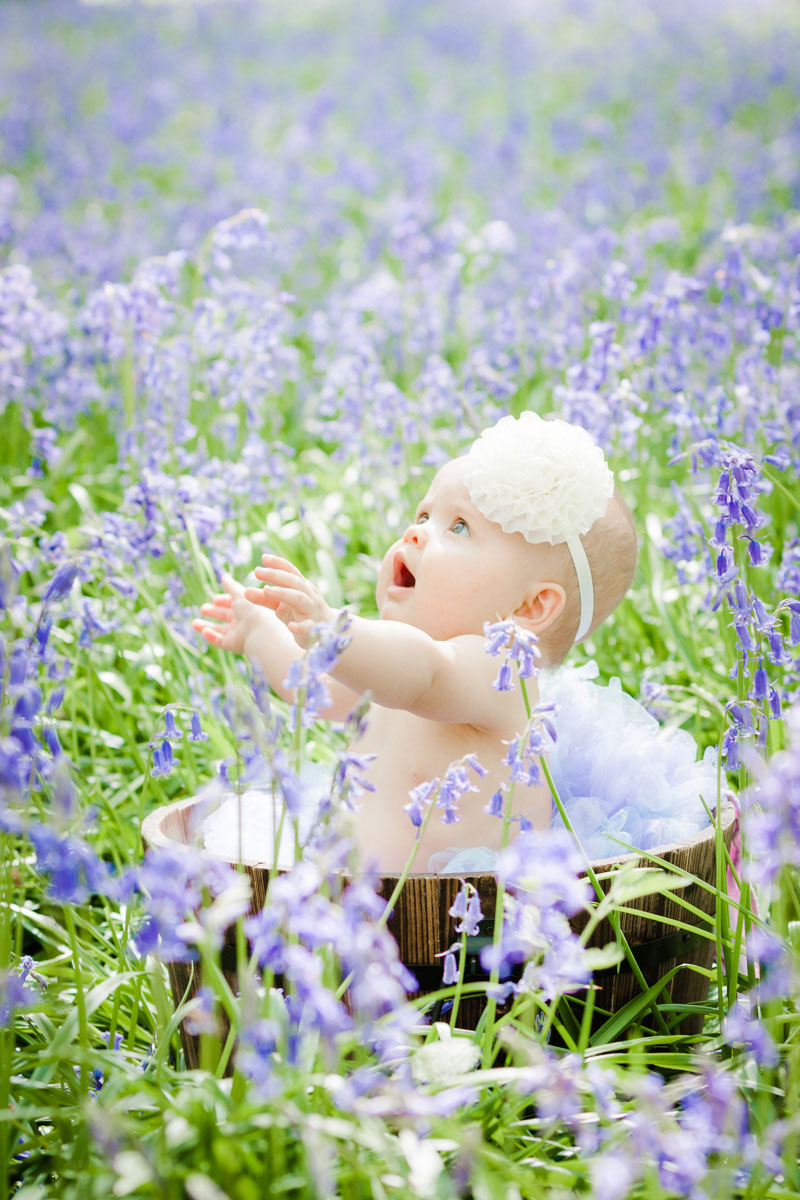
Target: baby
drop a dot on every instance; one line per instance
(526, 526)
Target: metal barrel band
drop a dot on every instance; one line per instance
(658, 951)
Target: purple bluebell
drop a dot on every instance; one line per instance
(13, 995)
(61, 583)
(163, 760)
(450, 969)
(255, 1056)
(197, 734)
(171, 732)
(519, 646)
(307, 674)
(466, 911)
(421, 800)
(741, 1028)
(496, 804)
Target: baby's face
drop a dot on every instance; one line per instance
(453, 569)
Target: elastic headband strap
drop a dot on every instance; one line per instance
(585, 586)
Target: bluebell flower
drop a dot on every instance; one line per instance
(163, 760)
(466, 909)
(328, 641)
(759, 689)
(740, 1028)
(794, 627)
(255, 1056)
(197, 734)
(496, 804)
(201, 1017)
(13, 995)
(520, 648)
(420, 802)
(26, 965)
(505, 679)
(171, 732)
(450, 970)
(74, 870)
(61, 583)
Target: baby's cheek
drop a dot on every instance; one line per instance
(385, 572)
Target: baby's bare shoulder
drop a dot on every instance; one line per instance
(483, 699)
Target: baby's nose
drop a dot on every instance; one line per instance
(414, 534)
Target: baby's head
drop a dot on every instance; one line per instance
(527, 525)
(549, 481)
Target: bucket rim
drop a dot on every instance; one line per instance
(153, 836)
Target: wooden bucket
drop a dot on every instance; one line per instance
(422, 926)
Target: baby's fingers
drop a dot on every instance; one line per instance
(301, 631)
(212, 633)
(283, 576)
(282, 564)
(232, 587)
(273, 597)
(217, 610)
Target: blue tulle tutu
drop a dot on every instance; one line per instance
(619, 773)
(622, 777)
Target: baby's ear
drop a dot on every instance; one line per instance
(541, 607)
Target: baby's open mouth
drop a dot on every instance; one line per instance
(402, 576)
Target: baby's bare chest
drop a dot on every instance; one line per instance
(410, 750)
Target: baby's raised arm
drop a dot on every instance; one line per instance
(403, 667)
(231, 622)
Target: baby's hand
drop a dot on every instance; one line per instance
(237, 615)
(291, 596)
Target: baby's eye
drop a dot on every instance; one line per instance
(420, 518)
(460, 527)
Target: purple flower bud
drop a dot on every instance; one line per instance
(43, 631)
(450, 973)
(730, 750)
(495, 807)
(741, 598)
(794, 629)
(744, 636)
(197, 734)
(171, 731)
(763, 619)
(774, 705)
(53, 744)
(755, 553)
(26, 965)
(473, 916)
(777, 651)
(760, 687)
(723, 564)
(17, 667)
(163, 759)
(61, 582)
(28, 702)
(505, 679)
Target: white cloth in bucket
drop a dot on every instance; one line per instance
(245, 825)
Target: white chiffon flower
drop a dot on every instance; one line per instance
(547, 480)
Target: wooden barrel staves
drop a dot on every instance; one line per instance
(423, 928)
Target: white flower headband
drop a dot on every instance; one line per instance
(546, 480)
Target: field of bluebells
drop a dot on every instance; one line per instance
(262, 266)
